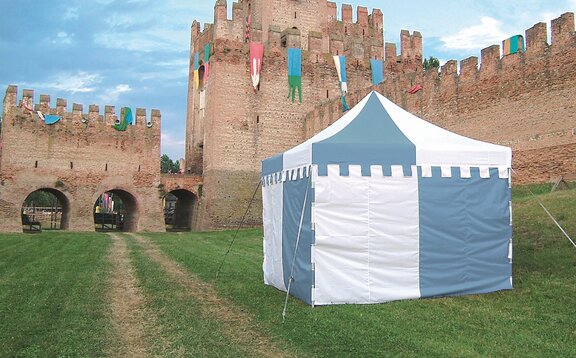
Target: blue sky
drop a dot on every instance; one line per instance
(135, 53)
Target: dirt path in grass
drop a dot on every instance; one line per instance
(129, 315)
(237, 325)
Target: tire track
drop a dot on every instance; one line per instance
(128, 312)
(236, 324)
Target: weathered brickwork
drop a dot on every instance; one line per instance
(77, 159)
(524, 100)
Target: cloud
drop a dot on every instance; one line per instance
(489, 32)
(173, 145)
(112, 95)
(71, 82)
(62, 38)
(153, 39)
(71, 13)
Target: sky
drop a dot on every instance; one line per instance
(135, 53)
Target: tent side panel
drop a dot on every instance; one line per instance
(464, 234)
(366, 237)
(394, 238)
(342, 251)
(293, 200)
(272, 198)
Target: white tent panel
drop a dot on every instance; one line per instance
(367, 241)
(394, 238)
(436, 146)
(272, 200)
(342, 270)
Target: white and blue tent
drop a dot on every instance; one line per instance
(384, 206)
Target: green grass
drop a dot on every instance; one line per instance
(537, 318)
(53, 299)
(182, 323)
(52, 295)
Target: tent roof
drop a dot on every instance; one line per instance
(378, 132)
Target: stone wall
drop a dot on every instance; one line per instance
(524, 100)
(78, 159)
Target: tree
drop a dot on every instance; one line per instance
(168, 166)
(431, 62)
(41, 198)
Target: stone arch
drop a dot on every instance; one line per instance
(127, 217)
(63, 200)
(179, 216)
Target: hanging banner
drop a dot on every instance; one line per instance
(377, 71)
(196, 69)
(513, 45)
(295, 72)
(340, 62)
(126, 120)
(256, 57)
(207, 50)
(49, 118)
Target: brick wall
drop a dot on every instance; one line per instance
(78, 158)
(523, 100)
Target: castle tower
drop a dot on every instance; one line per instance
(231, 126)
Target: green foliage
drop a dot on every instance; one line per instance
(167, 165)
(41, 198)
(431, 62)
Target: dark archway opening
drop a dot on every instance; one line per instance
(116, 210)
(178, 210)
(201, 72)
(45, 209)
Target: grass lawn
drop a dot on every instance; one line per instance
(183, 326)
(537, 318)
(54, 299)
(52, 294)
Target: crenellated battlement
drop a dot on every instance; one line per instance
(522, 99)
(313, 26)
(25, 108)
(494, 60)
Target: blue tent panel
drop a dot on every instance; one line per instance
(293, 198)
(464, 234)
(272, 165)
(371, 139)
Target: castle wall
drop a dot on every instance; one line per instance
(523, 100)
(80, 157)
